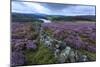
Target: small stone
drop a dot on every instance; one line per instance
(83, 58)
(77, 54)
(72, 56)
(57, 46)
(64, 54)
(57, 51)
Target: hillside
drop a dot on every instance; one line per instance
(21, 17)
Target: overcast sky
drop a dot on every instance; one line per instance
(52, 9)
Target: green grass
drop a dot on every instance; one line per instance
(42, 55)
(91, 55)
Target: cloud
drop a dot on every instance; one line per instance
(28, 7)
(36, 7)
(79, 10)
(21, 8)
(52, 9)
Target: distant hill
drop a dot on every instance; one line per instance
(86, 17)
(21, 17)
(72, 18)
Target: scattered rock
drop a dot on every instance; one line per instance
(62, 52)
(83, 58)
(72, 56)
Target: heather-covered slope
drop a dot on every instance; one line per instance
(49, 43)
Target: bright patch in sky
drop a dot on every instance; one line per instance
(36, 7)
(52, 9)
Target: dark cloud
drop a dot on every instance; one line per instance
(55, 6)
